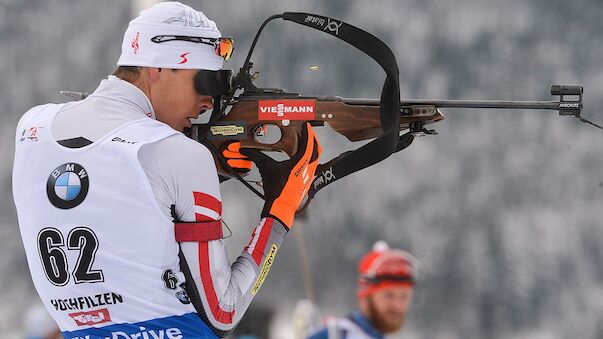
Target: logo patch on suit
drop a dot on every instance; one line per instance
(67, 186)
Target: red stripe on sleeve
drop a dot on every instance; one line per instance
(260, 245)
(251, 240)
(219, 314)
(208, 201)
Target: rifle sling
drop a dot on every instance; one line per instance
(390, 141)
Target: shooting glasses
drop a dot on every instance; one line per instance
(224, 46)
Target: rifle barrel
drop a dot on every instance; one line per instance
(552, 105)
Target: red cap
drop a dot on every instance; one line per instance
(385, 267)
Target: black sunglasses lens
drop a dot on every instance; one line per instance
(213, 83)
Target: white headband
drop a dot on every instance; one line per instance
(170, 18)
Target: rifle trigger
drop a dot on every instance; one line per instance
(417, 129)
(424, 132)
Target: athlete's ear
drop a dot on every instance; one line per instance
(154, 73)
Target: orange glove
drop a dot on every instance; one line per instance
(234, 158)
(287, 182)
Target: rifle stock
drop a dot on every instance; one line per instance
(355, 121)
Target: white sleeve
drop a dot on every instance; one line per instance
(182, 173)
(176, 167)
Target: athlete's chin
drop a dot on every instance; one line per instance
(395, 325)
(388, 323)
(180, 126)
(391, 326)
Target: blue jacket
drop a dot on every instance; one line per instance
(354, 326)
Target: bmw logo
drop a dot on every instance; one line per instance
(183, 297)
(67, 185)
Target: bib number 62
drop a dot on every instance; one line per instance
(51, 246)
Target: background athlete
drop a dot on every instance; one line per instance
(385, 289)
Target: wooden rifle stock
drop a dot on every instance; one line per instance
(356, 120)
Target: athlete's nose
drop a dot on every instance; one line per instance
(205, 103)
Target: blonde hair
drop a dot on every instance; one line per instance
(127, 73)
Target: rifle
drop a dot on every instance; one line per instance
(270, 119)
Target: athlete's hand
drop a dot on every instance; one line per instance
(239, 162)
(287, 182)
